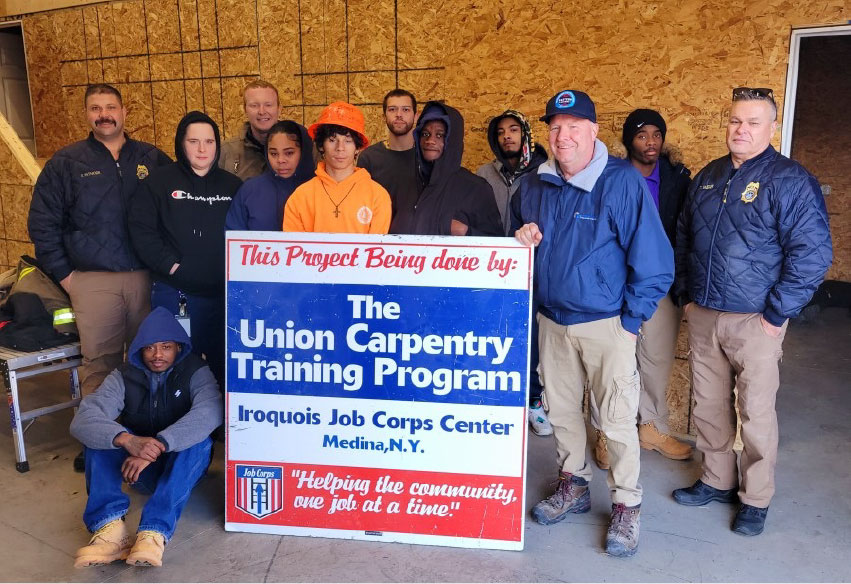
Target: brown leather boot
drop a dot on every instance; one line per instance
(652, 439)
(601, 451)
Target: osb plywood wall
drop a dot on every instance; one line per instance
(681, 57)
(15, 191)
(822, 136)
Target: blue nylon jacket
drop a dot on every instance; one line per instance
(753, 241)
(604, 252)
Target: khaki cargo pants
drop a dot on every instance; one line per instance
(602, 353)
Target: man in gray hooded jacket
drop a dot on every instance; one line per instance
(517, 154)
(148, 425)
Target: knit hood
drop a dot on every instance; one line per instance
(195, 117)
(159, 326)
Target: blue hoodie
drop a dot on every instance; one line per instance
(96, 423)
(259, 203)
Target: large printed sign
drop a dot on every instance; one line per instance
(376, 387)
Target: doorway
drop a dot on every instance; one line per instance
(14, 87)
(817, 127)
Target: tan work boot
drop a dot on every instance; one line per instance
(601, 451)
(109, 543)
(148, 549)
(652, 439)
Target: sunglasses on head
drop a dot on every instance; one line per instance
(753, 93)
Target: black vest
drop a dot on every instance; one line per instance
(147, 415)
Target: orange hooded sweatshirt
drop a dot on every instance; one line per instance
(358, 204)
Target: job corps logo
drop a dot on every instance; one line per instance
(750, 192)
(565, 100)
(141, 171)
(259, 489)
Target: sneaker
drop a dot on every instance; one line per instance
(538, 421)
(80, 462)
(109, 543)
(750, 520)
(148, 549)
(700, 494)
(571, 496)
(622, 536)
(601, 451)
(652, 439)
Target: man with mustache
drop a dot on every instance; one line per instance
(392, 162)
(78, 223)
(644, 132)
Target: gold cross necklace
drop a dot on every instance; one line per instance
(337, 205)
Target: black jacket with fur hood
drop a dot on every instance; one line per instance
(178, 217)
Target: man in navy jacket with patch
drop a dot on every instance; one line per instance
(78, 223)
(753, 244)
(148, 425)
(602, 264)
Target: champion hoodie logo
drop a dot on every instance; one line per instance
(181, 195)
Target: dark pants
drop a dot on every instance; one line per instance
(169, 480)
(206, 322)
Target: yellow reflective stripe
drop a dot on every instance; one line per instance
(63, 316)
(25, 271)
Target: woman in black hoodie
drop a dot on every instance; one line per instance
(177, 221)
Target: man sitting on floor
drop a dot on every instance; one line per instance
(148, 424)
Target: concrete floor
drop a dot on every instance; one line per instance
(808, 527)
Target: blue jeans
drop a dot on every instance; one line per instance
(206, 321)
(169, 480)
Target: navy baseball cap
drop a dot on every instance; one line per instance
(572, 103)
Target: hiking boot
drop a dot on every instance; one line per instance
(538, 421)
(571, 496)
(700, 494)
(601, 451)
(148, 549)
(652, 439)
(750, 520)
(622, 536)
(109, 543)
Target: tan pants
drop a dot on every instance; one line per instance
(656, 350)
(603, 354)
(730, 348)
(109, 307)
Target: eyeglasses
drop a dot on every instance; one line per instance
(745, 93)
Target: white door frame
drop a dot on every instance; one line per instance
(792, 77)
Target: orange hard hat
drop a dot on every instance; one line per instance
(343, 114)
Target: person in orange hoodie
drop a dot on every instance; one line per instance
(341, 198)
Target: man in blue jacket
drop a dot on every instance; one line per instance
(78, 223)
(603, 263)
(149, 425)
(753, 244)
